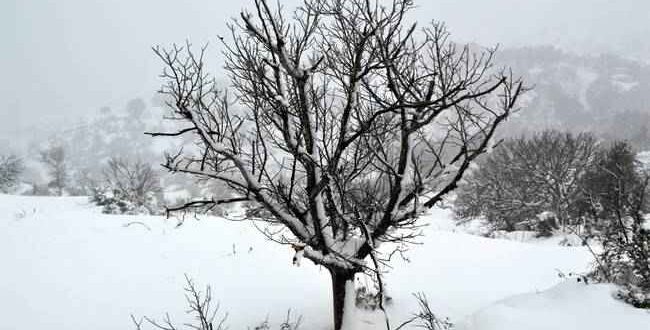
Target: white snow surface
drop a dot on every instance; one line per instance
(66, 266)
(570, 305)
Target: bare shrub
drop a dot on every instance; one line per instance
(129, 187)
(425, 318)
(206, 315)
(201, 308)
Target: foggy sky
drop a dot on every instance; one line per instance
(66, 58)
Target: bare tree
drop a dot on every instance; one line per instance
(10, 169)
(133, 177)
(340, 126)
(54, 157)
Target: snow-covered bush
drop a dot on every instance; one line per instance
(116, 201)
(528, 183)
(128, 188)
(10, 169)
(615, 204)
(625, 259)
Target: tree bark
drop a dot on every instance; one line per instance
(340, 277)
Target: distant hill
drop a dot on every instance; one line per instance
(605, 94)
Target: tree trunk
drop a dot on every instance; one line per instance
(340, 277)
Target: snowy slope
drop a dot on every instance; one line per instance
(566, 306)
(65, 266)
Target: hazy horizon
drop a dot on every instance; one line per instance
(67, 59)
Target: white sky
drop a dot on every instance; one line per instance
(65, 58)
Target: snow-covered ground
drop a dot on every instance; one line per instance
(66, 266)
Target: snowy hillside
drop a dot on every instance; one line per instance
(66, 266)
(605, 94)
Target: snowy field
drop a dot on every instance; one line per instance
(66, 266)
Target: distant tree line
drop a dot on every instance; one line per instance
(120, 185)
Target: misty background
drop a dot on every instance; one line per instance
(63, 61)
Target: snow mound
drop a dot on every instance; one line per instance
(567, 306)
